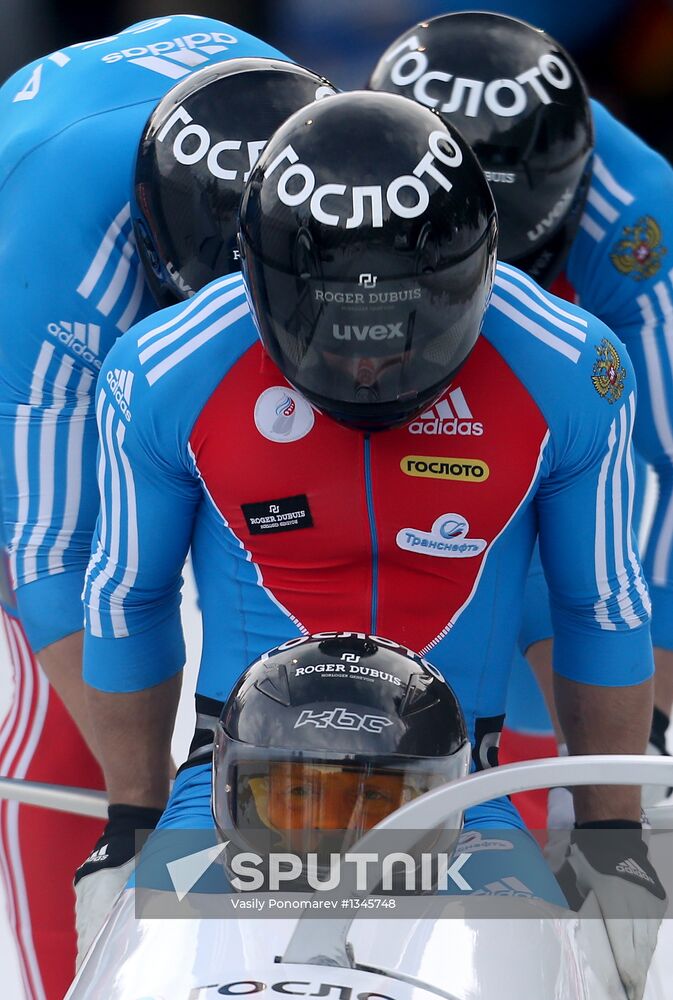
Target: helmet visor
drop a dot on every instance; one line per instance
(277, 800)
(366, 346)
(295, 797)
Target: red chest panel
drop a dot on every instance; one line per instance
(387, 532)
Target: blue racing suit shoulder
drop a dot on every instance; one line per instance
(621, 250)
(72, 281)
(562, 354)
(167, 365)
(153, 385)
(90, 78)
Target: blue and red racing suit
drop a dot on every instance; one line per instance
(423, 533)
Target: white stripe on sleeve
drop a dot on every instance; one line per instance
(98, 572)
(47, 471)
(113, 292)
(591, 227)
(119, 593)
(134, 303)
(104, 252)
(196, 342)
(21, 458)
(537, 331)
(600, 538)
(199, 317)
(602, 206)
(195, 304)
(536, 307)
(523, 279)
(609, 183)
(73, 472)
(631, 478)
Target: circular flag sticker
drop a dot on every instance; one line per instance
(282, 415)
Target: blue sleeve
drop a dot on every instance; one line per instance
(622, 268)
(140, 62)
(71, 281)
(582, 379)
(621, 253)
(149, 497)
(151, 390)
(598, 596)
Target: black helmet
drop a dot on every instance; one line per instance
(326, 735)
(519, 100)
(368, 237)
(196, 151)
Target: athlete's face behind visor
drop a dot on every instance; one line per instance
(319, 807)
(309, 797)
(322, 807)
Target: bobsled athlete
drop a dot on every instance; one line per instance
(72, 281)
(319, 741)
(288, 425)
(585, 208)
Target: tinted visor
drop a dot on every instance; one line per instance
(311, 807)
(369, 348)
(311, 803)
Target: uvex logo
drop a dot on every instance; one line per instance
(380, 331)
(549, 220)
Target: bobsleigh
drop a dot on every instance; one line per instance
(546, 953)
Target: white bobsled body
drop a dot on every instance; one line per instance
(459, 958)
(538, 952)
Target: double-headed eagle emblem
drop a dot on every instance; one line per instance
(608, 373)
(638, 253)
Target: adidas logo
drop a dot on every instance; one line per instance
(631, 867)
(510, 886)
(450, 415)
(83, 339)
(120, 381)
(178, 57)
(97, 856)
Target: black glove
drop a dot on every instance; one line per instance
(102, 877)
